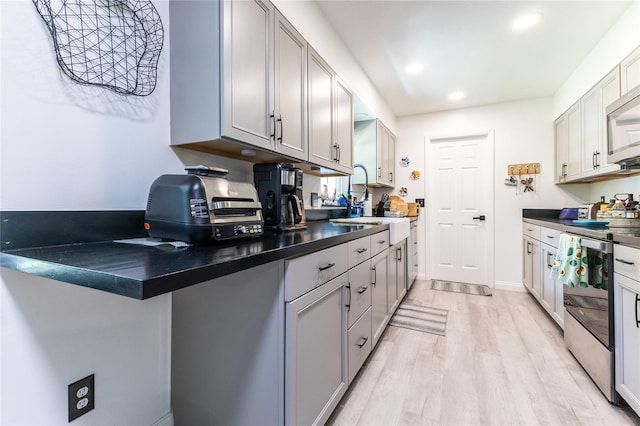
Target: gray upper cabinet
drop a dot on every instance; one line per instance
(344, 126)
(238, 73)
(374, 148)
(330, 117)
(321, 145)
(248, 62)
(290, 114)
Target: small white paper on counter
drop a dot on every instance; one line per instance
(153, 242)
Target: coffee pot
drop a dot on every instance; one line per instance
(279, 187)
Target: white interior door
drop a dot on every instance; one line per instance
(460, 207)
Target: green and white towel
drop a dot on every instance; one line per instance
(571, 265)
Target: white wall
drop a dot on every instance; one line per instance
(64, 146)
(619, 41)
(314, 27)
(523, 132)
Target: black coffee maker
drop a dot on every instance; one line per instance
(279, 187)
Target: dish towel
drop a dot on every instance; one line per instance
(571, 265)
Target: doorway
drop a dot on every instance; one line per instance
(459, 187)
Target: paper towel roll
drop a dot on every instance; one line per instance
(368, 207)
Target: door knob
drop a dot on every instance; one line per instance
(481, 217)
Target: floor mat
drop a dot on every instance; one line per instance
(480, 290)
(420, 318)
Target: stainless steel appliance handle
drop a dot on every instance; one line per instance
(234, 205)
(595, 244)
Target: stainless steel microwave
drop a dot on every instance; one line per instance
(623, 130)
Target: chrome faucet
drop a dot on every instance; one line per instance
(366, 184)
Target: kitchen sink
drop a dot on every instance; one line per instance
(398, 226)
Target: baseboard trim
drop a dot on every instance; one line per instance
(510, 286)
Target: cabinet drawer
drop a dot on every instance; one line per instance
(359, 343)
(359, 250)
(626, 261)
(531, 230)
(359, 296)
(379, 242)
(303, 274)
(549, 236)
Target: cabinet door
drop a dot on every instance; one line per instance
(344, 127)
(379, 313)
(558, 308)
(590, 132)
(575, 142)
(316, 353)
(290, 115)
(527, 263)
(536, 269)
(562, 148)
(382, 148)
(359, 291)
(627, 332)
(321, 140)
(391, 158)
(392, 276)
(630, 71)
(608, 91)
(401, 270)
(548, 293)
(247, 77)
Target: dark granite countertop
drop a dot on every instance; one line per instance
(142, 272)
(549, 219)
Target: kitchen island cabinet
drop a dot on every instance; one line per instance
(627, 324)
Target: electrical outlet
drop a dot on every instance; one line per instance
(420, 201)
(81, 397)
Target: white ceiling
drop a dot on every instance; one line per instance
(468, 46)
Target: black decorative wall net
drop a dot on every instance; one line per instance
(109, 43)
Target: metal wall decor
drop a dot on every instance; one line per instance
(107, 43)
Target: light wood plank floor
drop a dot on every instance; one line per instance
(501, 362)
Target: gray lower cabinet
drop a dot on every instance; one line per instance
(227, 350)
(359, 316)
(316, 364)
(379, 294)
(397, 275)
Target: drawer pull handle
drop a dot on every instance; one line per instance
(382, 241)
(549, 236)
(637, 302)
(626, 262)
(324, 268)
(362, 290)
(348, 305)
(363, 341)
(361, 250)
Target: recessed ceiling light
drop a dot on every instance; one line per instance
(527, 21)
(414, 68)
(456, 96)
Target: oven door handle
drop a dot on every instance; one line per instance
(596, 245)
